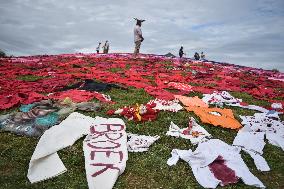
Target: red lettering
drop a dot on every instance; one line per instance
(107, 166)
(109, 128)
(98, 147)
(93, 154)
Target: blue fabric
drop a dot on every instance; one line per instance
(48, 120)
(26, 108)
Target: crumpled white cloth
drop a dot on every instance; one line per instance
(269, 123)
(105, 149)
(220, 98)
(205, 154)
(188, 133)
(253, 144)
(276, 106)
(250, 107)
(166, 105)
(140, 143)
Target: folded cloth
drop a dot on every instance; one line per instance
(104, 148)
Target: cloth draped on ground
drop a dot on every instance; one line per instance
(215, 162)
(140, 143)
(194, 132)
(80, 96)
(33, 119)
(105, 149)
(253, 144)
(149, 73)
(269, 123)
(216, 116)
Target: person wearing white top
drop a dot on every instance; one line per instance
(98, 48)
(138, 38)
(106, 47)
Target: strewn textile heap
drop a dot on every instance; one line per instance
(215, 162)
(105, 149)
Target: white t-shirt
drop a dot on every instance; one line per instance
(137, 33)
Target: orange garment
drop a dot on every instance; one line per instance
(191, 101)
(216, 116)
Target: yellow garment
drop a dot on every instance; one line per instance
(216, 116)
(137, 111)
(191, 101)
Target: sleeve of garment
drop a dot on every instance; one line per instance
(259, 161)
(45, 162)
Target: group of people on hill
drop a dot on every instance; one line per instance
(105, 47)
(196, 55)
(138, 39)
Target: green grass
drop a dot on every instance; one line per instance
(30, 77)
(143, 170)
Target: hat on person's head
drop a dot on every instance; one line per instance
(139, 21)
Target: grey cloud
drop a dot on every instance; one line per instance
(242, 32)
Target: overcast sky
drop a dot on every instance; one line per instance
(245, 32)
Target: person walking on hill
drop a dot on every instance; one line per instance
(138, 38)
(106, 47)
(98, 47)
(196, 56)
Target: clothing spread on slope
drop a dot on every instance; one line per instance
(140, 143)
(105, 149)
(215, 162)
(252, 143)
(194, 132)
(216, 116)
(269, 123)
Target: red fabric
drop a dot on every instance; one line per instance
(180, 86)
(151, 73)
(75, 95)
(222, 172)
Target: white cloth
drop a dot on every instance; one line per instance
(205, 154)
(202, 135)
(264, 122)
(252, 143)
(275, 139)
(137, 33)
(45, 162)
(166, 105)
(259, 161)
(220, 98)
(140, 143)
(105, 151)
(276, 106)
(269, 123)
(250, 107)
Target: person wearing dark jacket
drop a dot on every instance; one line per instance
(196, 56)
(181, 53)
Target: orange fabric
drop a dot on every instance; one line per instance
(224, 119)
(191, 101)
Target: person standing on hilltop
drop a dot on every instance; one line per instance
(181, 53)
(202, 56)
(106, 47)
(138, 38)
(98, 47)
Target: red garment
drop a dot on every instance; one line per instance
(222, 172)
(74, 94)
